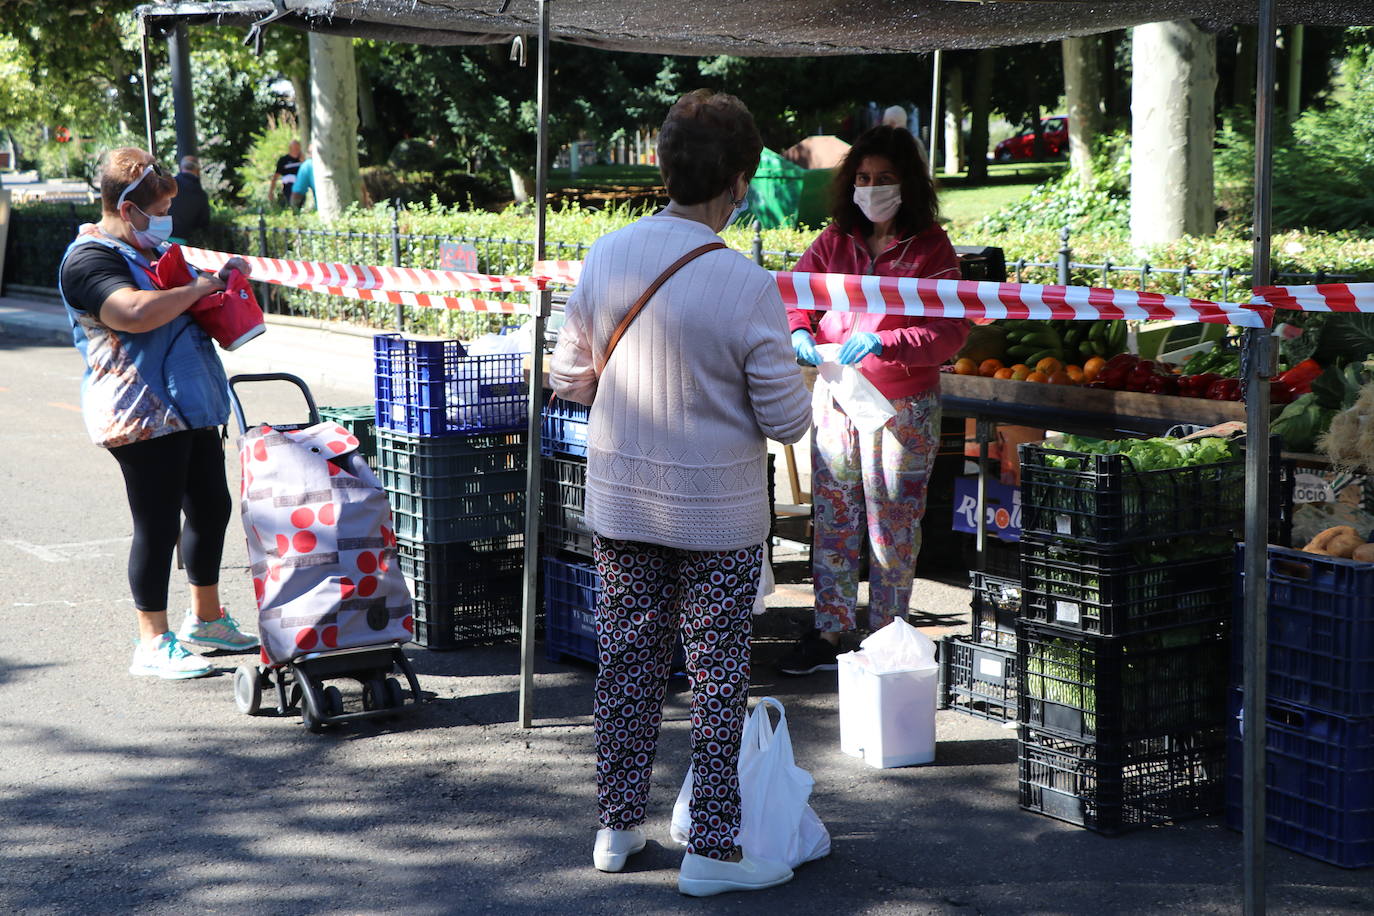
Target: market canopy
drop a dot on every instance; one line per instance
(763, 28)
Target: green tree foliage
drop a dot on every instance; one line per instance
(1323, 167)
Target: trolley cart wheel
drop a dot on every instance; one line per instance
(248, 689)
(395, 695)
(294, 695)
(310, 718)
(333, 701)
(375, 694)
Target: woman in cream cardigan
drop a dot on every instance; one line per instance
(676, 494)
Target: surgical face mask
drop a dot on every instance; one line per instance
(879, 202)
(741, 205)
(158, 231)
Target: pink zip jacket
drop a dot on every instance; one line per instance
(913, 348)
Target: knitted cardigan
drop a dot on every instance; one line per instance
(676, 451)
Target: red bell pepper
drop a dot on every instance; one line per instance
(1227, 389)
(1300, 377)
(1280, 392)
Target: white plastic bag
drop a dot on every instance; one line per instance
(898, 647)
(776, 821)
(767, 585)
(865, 405)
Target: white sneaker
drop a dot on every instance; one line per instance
(703, 877)
(223, 633)
(613, 847)
(167, 658)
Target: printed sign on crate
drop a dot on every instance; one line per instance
(1323, 498)
(457, 256)
(1003, 508)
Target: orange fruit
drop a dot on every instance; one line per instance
(1020, 373)
(1092, 367)
(1002, 373)
(989, 367)
(1049, 365)
(1075, 373)
(1061, 378)
(1020, 367)
(1037, 377)
(965, 366)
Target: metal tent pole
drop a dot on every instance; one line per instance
(149, 109)
(936, 68)
(1258, 345)
(541, 298)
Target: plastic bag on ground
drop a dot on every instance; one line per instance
(865, 405)
(898, 647)
(776, 820)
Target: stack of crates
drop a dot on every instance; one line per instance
(451, 455)
(1123, 635)
(571, 584)
(361, 422)
(1319, 724)
(978, 674)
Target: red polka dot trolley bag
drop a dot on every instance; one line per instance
(332, 603)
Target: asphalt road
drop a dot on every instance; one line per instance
(125, 795)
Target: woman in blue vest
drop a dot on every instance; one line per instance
(154, 394)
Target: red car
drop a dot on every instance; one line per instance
(1054, 131)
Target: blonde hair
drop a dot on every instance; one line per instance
(121, 167)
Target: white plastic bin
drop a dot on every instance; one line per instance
(887, 719)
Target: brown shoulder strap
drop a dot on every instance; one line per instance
(643, 300)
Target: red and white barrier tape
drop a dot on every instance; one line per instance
(974, 299)
(325, 274)
(424, 300)
(1322, 297)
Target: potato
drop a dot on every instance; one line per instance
(1344, 545)
(1364, 553)
(1319, 543)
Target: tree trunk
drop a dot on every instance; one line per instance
(334, 104)
(1243, 77)
(521, 184)
(1083, 90)
(300, 85)
(1172, 128)
(980, 106)
(954, 118)
(367, 118)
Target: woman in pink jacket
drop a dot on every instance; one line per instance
(869, 490)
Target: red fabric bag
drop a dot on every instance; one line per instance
(232, 317)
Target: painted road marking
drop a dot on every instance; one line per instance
(58, 553)
(61, 406)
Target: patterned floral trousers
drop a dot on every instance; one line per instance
(869, 487)
(649, 591)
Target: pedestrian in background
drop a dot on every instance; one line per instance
(869, 489)
(154, 394)
(190, 205)
(287, 167)
(676, 455)
(304, 184)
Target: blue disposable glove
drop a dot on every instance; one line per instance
(804, 345)
(864, 343)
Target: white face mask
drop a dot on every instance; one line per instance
(879, 202)
(740, 206)
(158, 231)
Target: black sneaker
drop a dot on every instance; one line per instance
(809, 655)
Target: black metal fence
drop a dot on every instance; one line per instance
(37, 242)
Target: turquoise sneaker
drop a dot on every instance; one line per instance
(223, 633)
(168, 659)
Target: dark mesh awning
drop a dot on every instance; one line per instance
(753, 27)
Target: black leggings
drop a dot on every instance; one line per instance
(165, 477)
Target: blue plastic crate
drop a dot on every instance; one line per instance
(1321, 631)
(565, 428)
(433, 388)
(1319, 797)
(571, 591)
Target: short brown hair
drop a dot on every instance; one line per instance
(707, 139)
(121, 167)
(920, 205)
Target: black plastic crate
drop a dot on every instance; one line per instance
(1148, 586)
(361, 422)
(1321, 630)
(1112, 689)
(433, 388)
(454, 488)
(995, 606)
(1107, 502)
(571, 591)
(978, 679)
(1319, 789)
(565, 505)
(999, 558)
(466, 594)
(1114, 789)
